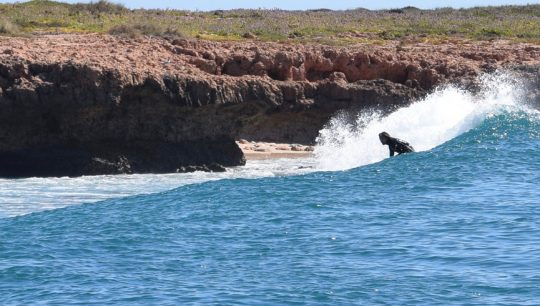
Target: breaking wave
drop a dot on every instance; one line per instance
(428, 123)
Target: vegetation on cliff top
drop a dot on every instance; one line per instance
(521, 23)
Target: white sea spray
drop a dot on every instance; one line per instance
(441, 116)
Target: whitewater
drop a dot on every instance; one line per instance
(426, 124)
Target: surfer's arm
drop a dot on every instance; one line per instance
(391, 151)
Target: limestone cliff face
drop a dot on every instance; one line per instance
(90, 104)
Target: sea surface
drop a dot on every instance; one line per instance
(457, 223)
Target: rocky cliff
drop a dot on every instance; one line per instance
(98, 104)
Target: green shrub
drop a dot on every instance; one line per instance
(7, 27)
(491, 33)
(125, 30)
(171, 32)
(137, 30)
(100, 7)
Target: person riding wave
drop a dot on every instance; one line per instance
(394, 144)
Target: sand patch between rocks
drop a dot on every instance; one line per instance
(269, 150)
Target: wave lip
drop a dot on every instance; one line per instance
(441, 116)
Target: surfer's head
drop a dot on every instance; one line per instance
(383, 137)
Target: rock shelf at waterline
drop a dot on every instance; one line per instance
(87, 104)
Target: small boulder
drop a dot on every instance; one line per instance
(190, 169)
(215, 167)
(338, 77)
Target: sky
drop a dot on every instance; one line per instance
(206, 5)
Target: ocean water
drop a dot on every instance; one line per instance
(457, 223)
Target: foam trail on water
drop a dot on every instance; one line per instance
(24, 196)
(441, 116)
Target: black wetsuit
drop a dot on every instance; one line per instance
(399, 146)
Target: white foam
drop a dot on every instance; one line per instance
(23, 196)
(428, 123)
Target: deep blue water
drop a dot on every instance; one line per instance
(459, 224)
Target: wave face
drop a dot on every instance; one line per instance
(441, 116)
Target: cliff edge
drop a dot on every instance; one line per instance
(98, 104)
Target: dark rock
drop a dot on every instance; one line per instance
(118, 158)
(249, 35)
(215, 167)
(189, 169)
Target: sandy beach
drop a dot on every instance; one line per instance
(267, 150)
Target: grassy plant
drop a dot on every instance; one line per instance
(137, 30)
(124, 30)
(100, 7)
(7, 27)
(339, 27)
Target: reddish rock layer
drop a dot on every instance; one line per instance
(426, 64)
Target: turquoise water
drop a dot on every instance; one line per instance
(458, 223)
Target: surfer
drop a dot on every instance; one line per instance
(395, 145)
